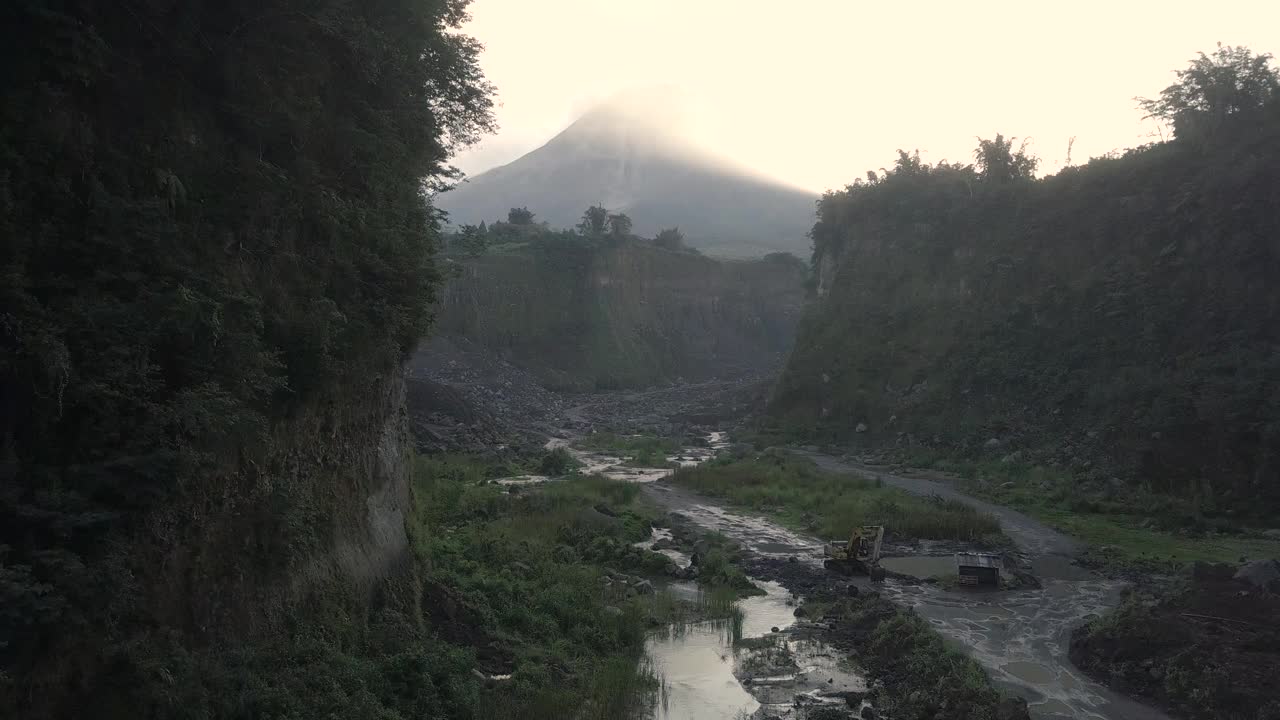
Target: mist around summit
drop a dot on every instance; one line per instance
(628, 155)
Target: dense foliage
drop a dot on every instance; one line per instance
(1118, 319)
(596, 308)
(215, 225)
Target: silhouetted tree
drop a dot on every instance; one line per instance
(594, 221)
(670, 239)
(1230, 83)
(520, 216)
(471, 240)
(997, 162)
(619, 225)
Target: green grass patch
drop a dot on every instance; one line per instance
(637, 450)
(1126, 525)
(800, 495)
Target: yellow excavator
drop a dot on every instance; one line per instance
(860, 554)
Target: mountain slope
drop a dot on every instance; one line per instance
(626, 161)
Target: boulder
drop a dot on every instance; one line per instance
(992, 444)
(1271, 534)
(1261, 574)
(860, 428)
(644, 587)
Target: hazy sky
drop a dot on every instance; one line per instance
(816, 92)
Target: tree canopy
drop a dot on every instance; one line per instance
(1230, 84)
(595, 220)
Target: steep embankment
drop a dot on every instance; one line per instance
(217, 259)
(588, 316)
(1121, 319)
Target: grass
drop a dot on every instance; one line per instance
(1124, 525)
(529, 571)
(637, 450)
(800, 495)
(924, 675)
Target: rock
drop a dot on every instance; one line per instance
(852, 591)
(860, 428)
(1272, 534)
(793, 559)
(773, 629)
(1263, 574)
(614, 611)
(1012, 708)
(801, 612)
(869, 713)
(644, 587)
(992, 444)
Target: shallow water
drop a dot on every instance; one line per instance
(700, 666)
(1020, 637)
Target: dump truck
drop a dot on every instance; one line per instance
(860, 554)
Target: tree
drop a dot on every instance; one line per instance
(619, 225)
(594, 221)
(520, 216)
(670, 239)
(1230, 83)
(997, 162)
(471, 240)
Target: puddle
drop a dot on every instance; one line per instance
(658, 534)
(1020, 637)
(523, 480)
(706, 676)
(921, 566)
(594, 462)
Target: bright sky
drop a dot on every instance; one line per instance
(816, 92)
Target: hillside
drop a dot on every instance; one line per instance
(1120, 320)
(628, 162)
(586, 315)
(217, 260)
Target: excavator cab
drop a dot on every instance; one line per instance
(859, 554)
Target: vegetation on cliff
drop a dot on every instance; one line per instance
(599, 309)
(218, 255)
(1117, 319)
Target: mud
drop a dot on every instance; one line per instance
(1020, 637)
(772, 667)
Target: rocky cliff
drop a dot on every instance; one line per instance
(1121, 319)
(584, 316)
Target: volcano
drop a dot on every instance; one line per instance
(627, 156)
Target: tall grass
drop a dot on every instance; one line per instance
(831, 504)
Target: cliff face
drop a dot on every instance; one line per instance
(626, 315)
(216, 264)
(1121, 319)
